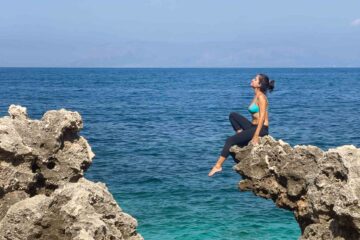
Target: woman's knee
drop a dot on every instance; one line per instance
(233, 115)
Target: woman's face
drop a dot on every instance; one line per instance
(255, 82)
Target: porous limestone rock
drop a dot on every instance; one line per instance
(43, 192)
(322, 188)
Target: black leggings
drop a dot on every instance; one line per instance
(244, 137)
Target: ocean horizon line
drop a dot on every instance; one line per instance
(49, 67)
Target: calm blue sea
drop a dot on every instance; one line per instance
(157, 132)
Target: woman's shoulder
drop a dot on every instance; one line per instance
(262, 97)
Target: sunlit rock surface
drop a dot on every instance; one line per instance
(322, 188)
(43, 192)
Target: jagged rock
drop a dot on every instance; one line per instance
(322, 188)
(81, 210)
(43, 194)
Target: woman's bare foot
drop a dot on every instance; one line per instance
(214, 170)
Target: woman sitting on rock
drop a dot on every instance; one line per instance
(247, 131)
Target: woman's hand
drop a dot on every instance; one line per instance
(255, 140)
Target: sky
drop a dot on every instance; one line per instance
(179, 33)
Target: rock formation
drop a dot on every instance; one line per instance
(43, 194)
(322, 188)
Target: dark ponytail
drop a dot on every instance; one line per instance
(265, 84)
(271, 85)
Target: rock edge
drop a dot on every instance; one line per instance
(43, 192)
(322, 188)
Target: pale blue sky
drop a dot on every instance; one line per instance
(180, 33)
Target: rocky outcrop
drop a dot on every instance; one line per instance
(43, 192)
(322, 188)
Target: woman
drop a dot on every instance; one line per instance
(247, 131)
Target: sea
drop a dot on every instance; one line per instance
(157, 132)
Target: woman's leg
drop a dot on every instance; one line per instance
(241, 139)
(239, 122)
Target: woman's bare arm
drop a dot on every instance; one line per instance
(262, 105)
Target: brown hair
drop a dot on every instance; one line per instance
(265, 83)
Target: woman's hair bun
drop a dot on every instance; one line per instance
(271, 85)
(265, 84)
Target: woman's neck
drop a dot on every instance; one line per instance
(257, 91)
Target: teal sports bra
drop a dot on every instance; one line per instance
(254, 108)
